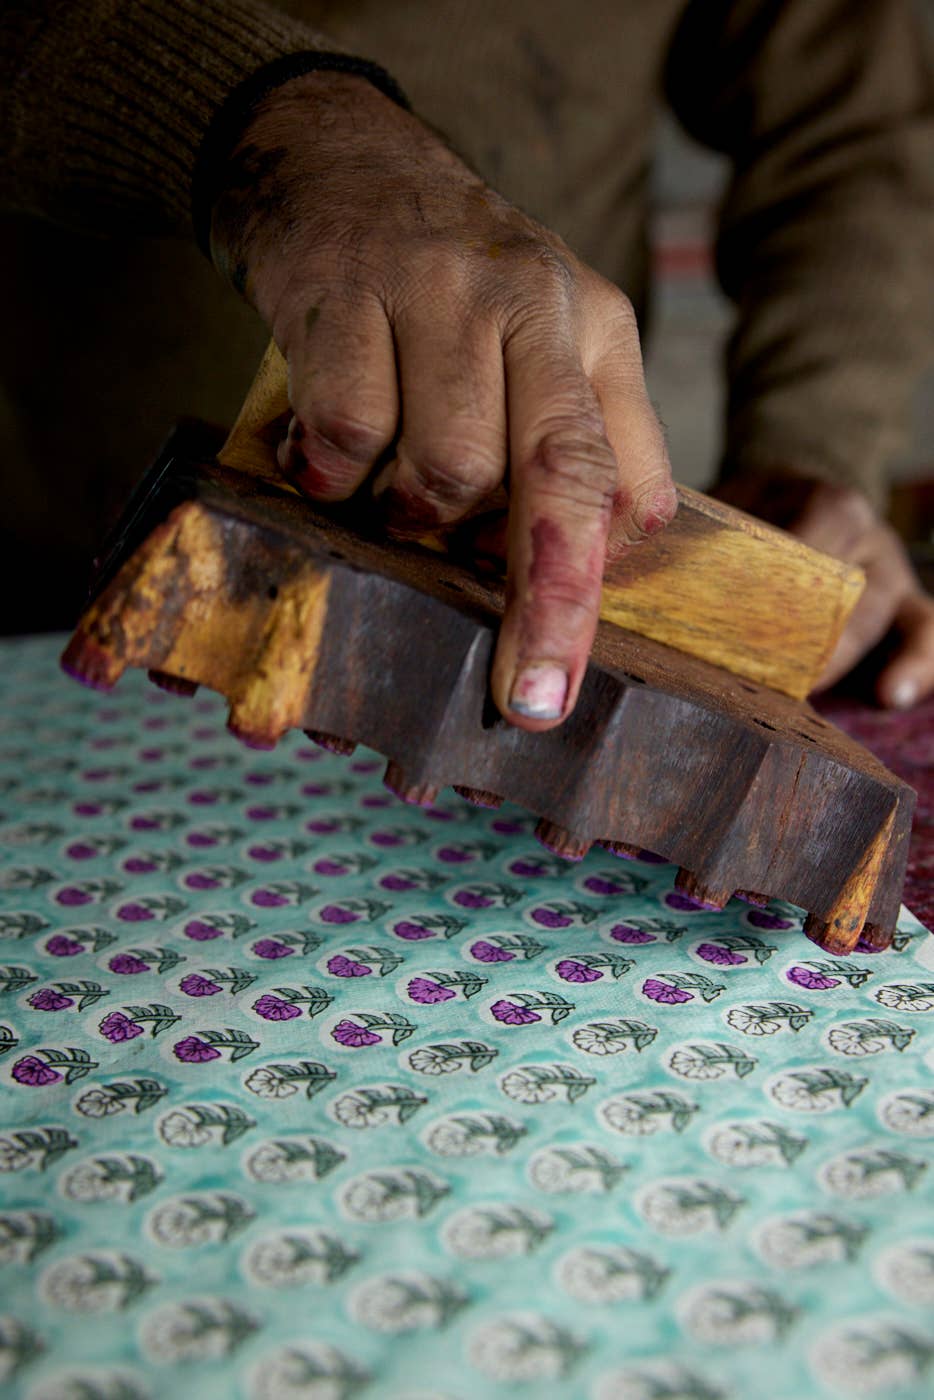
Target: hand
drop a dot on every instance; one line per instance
(440, 344)
(841, 522)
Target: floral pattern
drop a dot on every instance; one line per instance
(311, 1096)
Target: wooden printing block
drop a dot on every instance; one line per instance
(221, 575)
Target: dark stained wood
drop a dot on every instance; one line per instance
(302, 622)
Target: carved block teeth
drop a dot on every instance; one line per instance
(175, 685)
(875, 939)
(478, 797)
(415, 794)
(560, 842)
(686, 883)
(247, 734)
(85, 660)
(833, 939)
(750, 897)
(332, 742)
(622, 849)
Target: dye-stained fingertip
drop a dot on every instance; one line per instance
(539, 691)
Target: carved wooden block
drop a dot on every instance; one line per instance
(225, 579)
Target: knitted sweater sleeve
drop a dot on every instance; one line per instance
(104, 103)
(826, 237)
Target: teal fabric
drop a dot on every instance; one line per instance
(310, 1095)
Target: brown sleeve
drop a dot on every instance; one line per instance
(104, 103)
(826, 238)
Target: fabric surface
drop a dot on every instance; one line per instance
(308, 1094)
(824, 108)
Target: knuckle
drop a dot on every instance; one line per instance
(454, 473)
(337, 428)
(574, 462)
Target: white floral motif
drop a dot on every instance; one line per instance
(534, 1084)
(609, 1274)
(13, 1157)
(495, 1232)
(756, 1143)
(729, 1314)
(405, 1302)
(375, 1107)
(295, 1257)
(98, 1103)
(871, 1356)
(208, 1217)
(394, 1194)
(24, 1234)
(865, 1173)
(266, 1084)
(687, 1205)
(814, 1089)
(92, 1283)
(575, 1167)
(90, 1181)
(307, 1372)
(288, 1160)
(180, 1129)
(95, 1384)
(205, 1329)
(902, 996)
(523, 1347)
(907, 1271)
(911, 1113)
(655, 1379)
(470, 1134)
(809, 1237)
(642, 1114)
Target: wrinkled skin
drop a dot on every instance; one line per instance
(894, 607)
(442, 345)
(436, 338)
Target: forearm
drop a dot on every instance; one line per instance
(104, 103)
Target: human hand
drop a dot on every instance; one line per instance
(841, 522)
(440, 344)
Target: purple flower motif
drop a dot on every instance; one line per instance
(469, 899)
(598, 884)
(412, 932)
(202, 798)
(61, 946)
(198, 880)
(275, 1009)
(527, 867)
(337, 914)
(268, 899)
(144, 824)
(571, 971)
(272, 948)
(507, 826)
(47, 999)
(31, 1070)
(201, 838)
(266, 853)
(87, 809)
(71, 896)
(201, 932)
(329, 867)
(549, 918)
(116, 1027)
(137, 865)
(682, 902)
(346, 967)
(453, 856)
(814, 981)
(385, 838)
(194, 1051)
(81, 850)
(127, 963)
(489, 953)
(429, 993)
(716, 953)
(134, 913)
(396, 882)
(512, 1015)
(761, 918)
(322, 826)
(665, 992)
(374, 801)
(625, 933)
(194, 985)
(349, 1033)
(261, 814)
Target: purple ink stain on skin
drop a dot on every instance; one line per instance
(716, 953)
(512, 1015)
(761, 918)
(193, 1051)
(413, 932)
(664, 992)
(683, 902)
(127, 963)
(423, 990)
(49, 1000)
(548, 918)
(349, 1033)
(625, 933)
(33, 1072)
(272, 948)
(336, 914)
(275, 1009)
(813, 981)
(134, 913)
(489, 952)
(570, 971)
(342, 966)
(116, 1028)
(61, 947)
(71, 897)
(194, 985)
(201, 932)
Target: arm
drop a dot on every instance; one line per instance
(826, 246)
